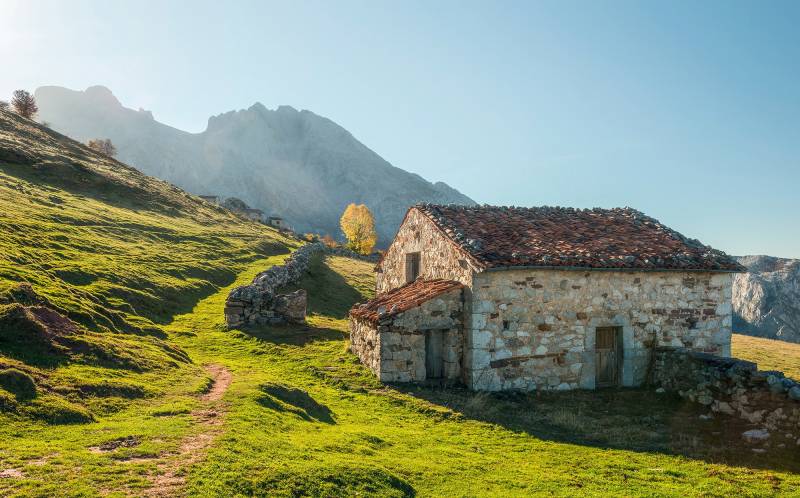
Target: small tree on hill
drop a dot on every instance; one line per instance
(103, 146)
(24, 104)
(358, 226)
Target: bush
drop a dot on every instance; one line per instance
(18, 383)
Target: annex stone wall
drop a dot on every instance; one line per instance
(439, 256)
(733, 387)
(258, 302)
(535, 329)
(394, 348)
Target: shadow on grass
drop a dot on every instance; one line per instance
(292, 335)
(329, 293)
(625, 419)
(288, 399)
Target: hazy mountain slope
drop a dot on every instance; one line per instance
(766, 299)
(94, 258)
(290, 163)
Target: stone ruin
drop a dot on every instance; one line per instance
(766, 400)
(260, 304)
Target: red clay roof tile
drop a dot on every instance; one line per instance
(623, 238)
(402, 299)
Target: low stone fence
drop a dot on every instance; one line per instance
(766, 399)
(258, 302)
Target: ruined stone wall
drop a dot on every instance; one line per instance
(257, 303)
(535, 329)
(439, 257)
(767, 400)
(394, 348)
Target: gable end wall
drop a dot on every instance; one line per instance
(439, 256)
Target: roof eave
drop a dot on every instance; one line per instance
(624, 269)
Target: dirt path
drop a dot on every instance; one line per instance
(170, 479)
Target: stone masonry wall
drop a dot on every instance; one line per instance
(439, 257)
(258, 303)
(768, 400)
(394, 348)
(535, 329)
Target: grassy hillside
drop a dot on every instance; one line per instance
(302, 418)
(769, 354)
(94, 258)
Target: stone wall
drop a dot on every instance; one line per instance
(258, 302)
(394, 348)
(767, 400)
(439, 256)
(535, 329)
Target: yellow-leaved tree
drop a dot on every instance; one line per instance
(358, 226)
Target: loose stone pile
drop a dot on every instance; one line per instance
(766, 399)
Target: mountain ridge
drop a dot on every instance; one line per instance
(287, 162)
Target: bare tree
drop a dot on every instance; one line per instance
(24, 104)
(103, 146)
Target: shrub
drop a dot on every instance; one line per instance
(24, 104)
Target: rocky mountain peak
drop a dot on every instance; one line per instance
(287, 162)
(766, 299)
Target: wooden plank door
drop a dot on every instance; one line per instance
(434, 359)
(607, 349)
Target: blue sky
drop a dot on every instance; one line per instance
(688, 111)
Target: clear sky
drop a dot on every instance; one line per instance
(688, 111)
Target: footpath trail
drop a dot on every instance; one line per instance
(170, 478)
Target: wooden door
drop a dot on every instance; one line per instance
(434, 359)
(608, 355)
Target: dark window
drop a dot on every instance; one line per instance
(412, 266)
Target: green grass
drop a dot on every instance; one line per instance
(304, 418)
(768, 354)
(145, 275)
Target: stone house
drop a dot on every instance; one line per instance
(253, 214)
(539, 298)
(277, 222)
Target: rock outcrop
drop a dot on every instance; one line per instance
(766, 299)
(289, 163)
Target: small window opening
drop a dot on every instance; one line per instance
(412, 266)
(505, 324)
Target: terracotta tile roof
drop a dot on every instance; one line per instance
(402, 299)
(622, 238)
